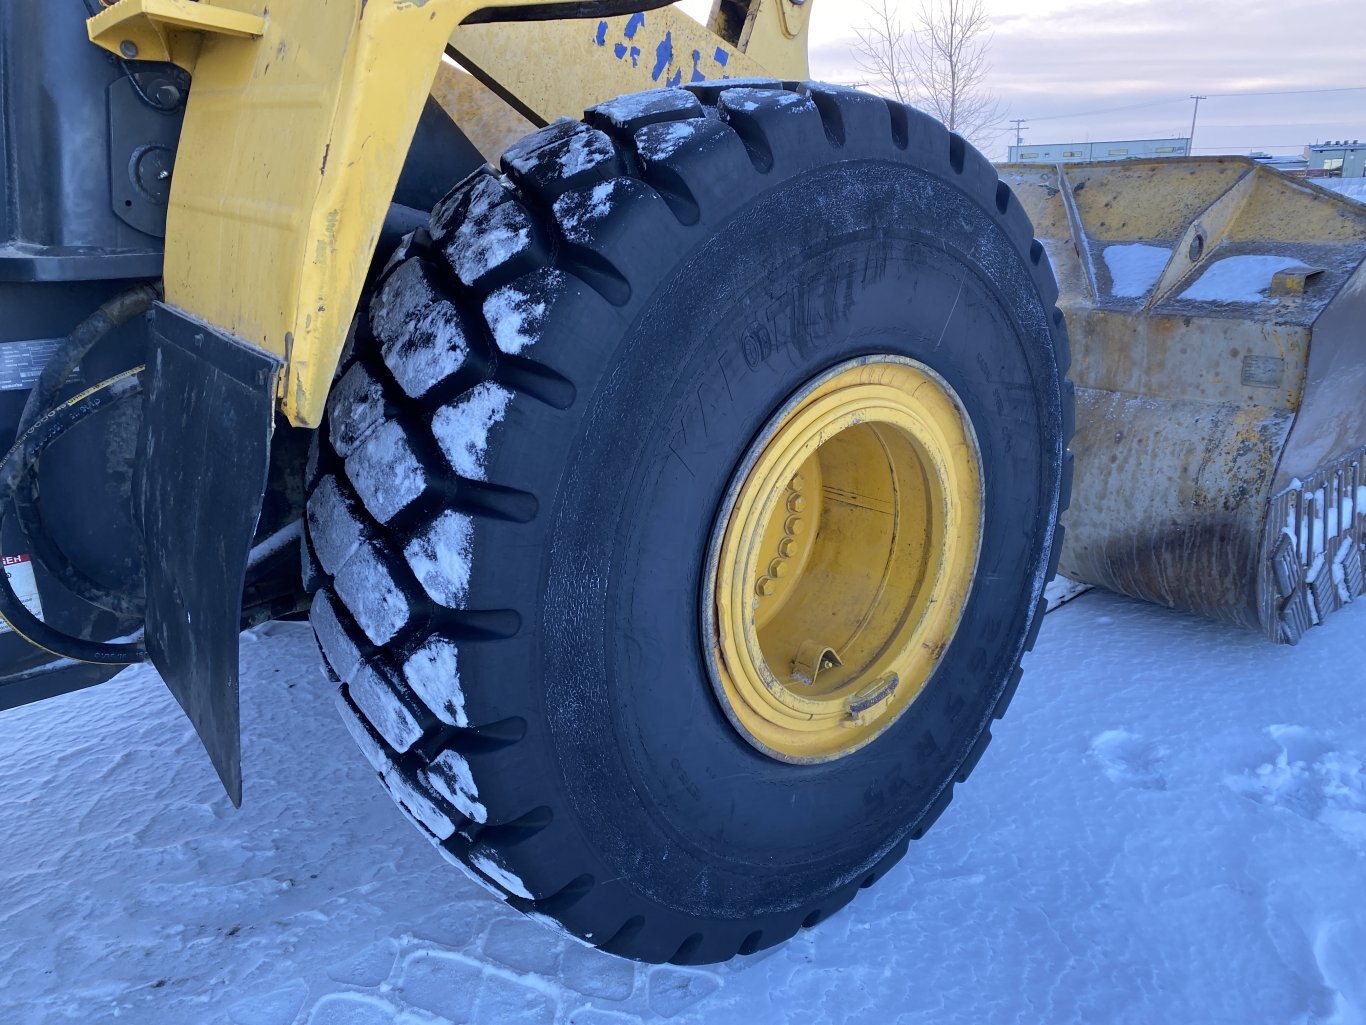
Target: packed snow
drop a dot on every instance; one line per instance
(585, 151)
(1320, 516)
(371, 595)
(440, 558)
(623, 110)
(383, 711)
(462, 428)
(579, 211)
(1135, 268)
(334, 527)
(424, 341)
(1170, 827)
(451, 777)
(432, 673)
(1238, 279)
(657, 143)
(489, 237)
(750, 100)
(516, 314)
(385, 472)
(354, 409)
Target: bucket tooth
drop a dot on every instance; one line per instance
(1296, 618)
(1324, 588)
(1286, 566)
(1353, 584)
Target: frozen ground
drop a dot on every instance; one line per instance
(1169, 828)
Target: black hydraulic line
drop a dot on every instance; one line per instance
(77, 345)
(17, 464)
(58, 370)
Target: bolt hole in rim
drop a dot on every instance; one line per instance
(843, 557)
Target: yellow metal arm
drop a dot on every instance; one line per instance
(299, 121)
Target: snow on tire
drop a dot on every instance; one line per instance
(512, 490)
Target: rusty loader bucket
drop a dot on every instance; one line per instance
(1217, 311)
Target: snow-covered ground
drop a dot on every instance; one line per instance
(1169, 828)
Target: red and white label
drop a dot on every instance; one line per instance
(19, 569)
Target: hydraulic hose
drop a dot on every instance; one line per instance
(18, 463)
(58, 370)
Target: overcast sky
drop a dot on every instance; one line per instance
(1064, 64)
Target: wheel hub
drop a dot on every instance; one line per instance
(843, 558)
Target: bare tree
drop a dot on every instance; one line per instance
(885, 51)
(940, 66)
(952, 68)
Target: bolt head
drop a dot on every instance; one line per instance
(764, 588)
(166, 94)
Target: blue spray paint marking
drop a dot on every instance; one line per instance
(697, 75)
(721, 57)
(635, 56)
(664, 56)
(602, 33)
(675, 79)
(633, 26)
(620, 51)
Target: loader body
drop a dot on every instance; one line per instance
(348, 405)
(1216, 309)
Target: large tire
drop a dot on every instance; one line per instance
(523, 463)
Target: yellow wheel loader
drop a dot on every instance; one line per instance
(668, 452)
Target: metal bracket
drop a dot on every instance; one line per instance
(168, 30)
(1292, 280)
(145, 118)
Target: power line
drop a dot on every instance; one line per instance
(1020, 125)
(1296, 92)
(1178, 99)
(1109, 110)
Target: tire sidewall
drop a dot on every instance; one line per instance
(662, 786)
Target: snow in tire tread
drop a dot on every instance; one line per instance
(445, 345)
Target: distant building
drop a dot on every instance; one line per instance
(1073, 152)
(1347, 159)
(1295, 166)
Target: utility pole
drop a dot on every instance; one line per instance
(1194, 114)
(1019, 124)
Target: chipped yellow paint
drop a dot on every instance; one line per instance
(560, 68)
(298, 125)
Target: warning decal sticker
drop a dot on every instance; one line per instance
(19, 569)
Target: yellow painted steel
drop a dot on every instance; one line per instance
(559, 68)
(840, 569)
(299, 120)
(169, 30)
(1215, 309)
(486, 119)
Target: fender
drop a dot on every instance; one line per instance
(297, 127)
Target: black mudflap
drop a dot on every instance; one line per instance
(207, 424)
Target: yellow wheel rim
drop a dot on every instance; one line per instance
(842, 561)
